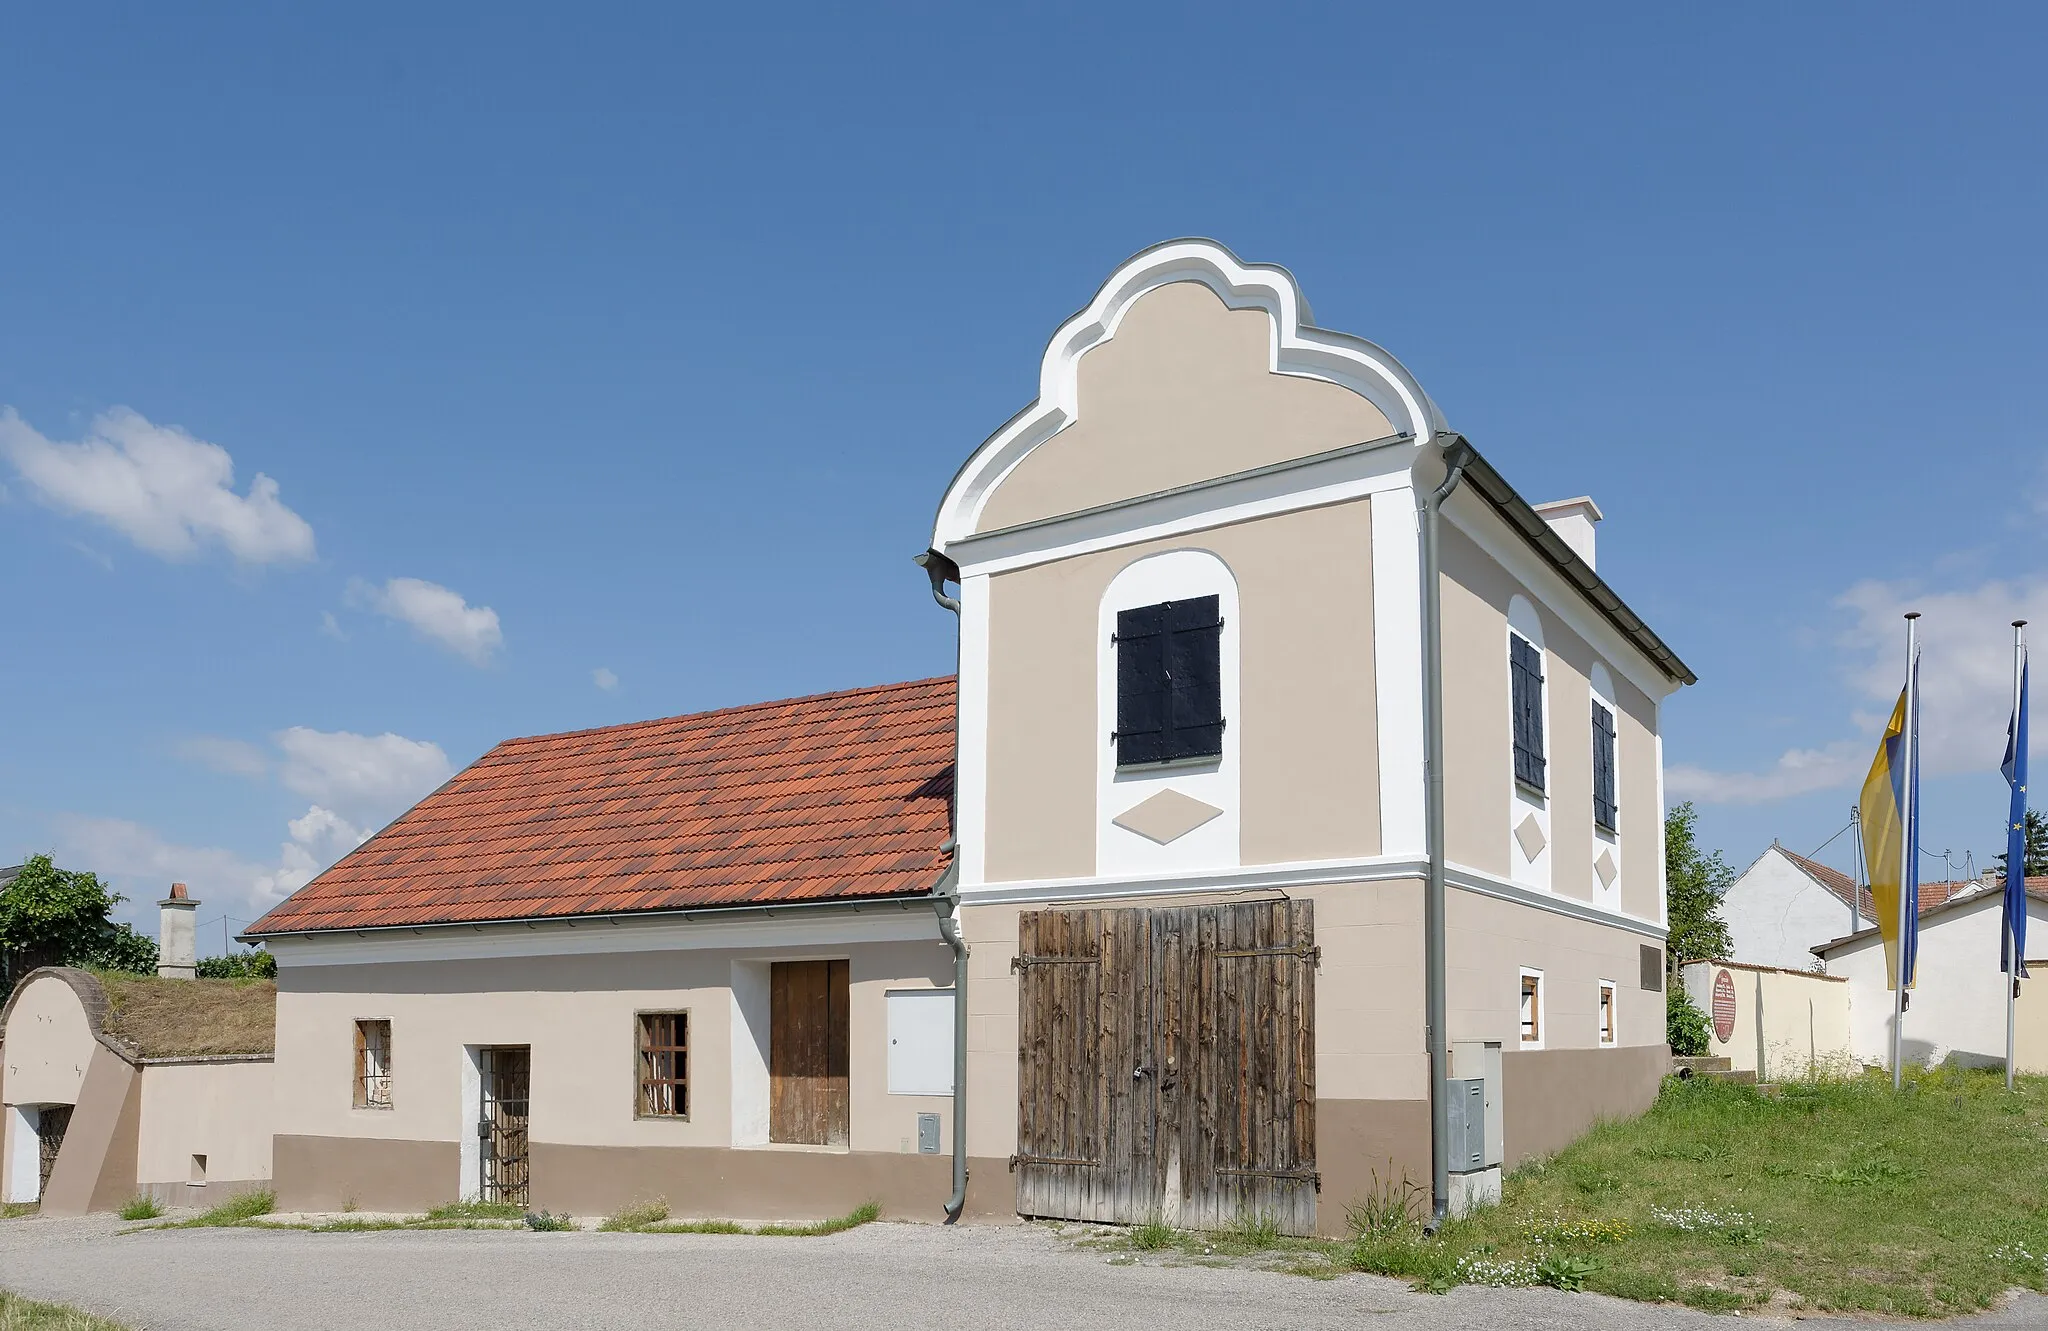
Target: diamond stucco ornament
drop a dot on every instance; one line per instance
(1529, 835)
(1167, 816)
(1604, 866)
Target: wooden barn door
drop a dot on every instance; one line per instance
(808, 1052)
(1237, 1038)
(1088, 1097)
(1166, 1062)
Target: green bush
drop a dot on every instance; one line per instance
(1685, 1026)
(257, 965)
(546, 1223)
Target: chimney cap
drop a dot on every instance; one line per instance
(1577, 504)
(178, 892)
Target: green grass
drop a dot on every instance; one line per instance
(628, 1219)
(16, 1210)
(694, 1227)
(1838, 1194)
(860, 1215)
(237, 1210)
(476, 1210)
(141, 1208)
(19, 1314)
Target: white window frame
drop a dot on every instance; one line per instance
(1608, 1014)
(1521, 986)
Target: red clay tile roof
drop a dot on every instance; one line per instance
(833, 797)
(1837, 882)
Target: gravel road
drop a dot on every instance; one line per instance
(897, 1277)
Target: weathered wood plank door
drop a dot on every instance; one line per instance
(502, 1136)
(808, 1052)
(1088, 1097)
(1166, 1062)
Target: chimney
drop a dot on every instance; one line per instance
(177, 937)
(1573, 520)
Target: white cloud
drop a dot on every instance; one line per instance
(169, 493)
(331, 627)
(605, 679)
(1797, 772)
(143, 864)
(1965, 689)
(435, 613)
(232, 756)
(367, 778)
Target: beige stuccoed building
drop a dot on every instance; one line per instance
(1156, 869)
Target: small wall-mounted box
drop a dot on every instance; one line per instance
(927, 1134)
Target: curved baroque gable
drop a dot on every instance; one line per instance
(1187, 365)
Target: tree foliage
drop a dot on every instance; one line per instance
(61, 917)
(2035, 863)
(1685, 1026)
(1693, 883)
(257, 965)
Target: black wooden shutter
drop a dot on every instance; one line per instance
(1603, 767)
(1141, 684)
(1169, 681)
(1525, 670)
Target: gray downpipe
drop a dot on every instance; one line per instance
(1435, 1001)
(946, 900)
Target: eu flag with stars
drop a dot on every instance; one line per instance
(2013, 949)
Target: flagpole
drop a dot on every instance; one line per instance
(1906, 850)
(2012, 949)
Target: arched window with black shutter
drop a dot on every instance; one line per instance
(1603, 767)
(1525, 671)
(1169, 682)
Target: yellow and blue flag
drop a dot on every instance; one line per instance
(1890, 813)
(2013, 946)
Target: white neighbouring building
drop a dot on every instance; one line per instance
(1957, 1009)
(1784, 906)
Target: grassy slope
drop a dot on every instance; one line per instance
(19, 1314)
(1930, 1202)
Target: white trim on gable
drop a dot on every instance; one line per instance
(1296, 346)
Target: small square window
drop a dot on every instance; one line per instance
(373, 1065)
(1532, 1008)
(664, 1065)
(1607, 1028)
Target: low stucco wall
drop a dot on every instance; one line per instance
(215, 1108)
(1785, 1023)
(1553, 1096)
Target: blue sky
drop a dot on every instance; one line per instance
(642, 341)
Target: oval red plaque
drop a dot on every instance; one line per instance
(1724, 1006)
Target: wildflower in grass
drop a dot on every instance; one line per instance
(1474, 1269)
(1558, 1231)
(1738, 1226)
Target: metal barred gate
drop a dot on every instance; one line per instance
(1166, 1064)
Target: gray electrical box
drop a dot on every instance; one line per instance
(1465, 1097)
(928, 1134)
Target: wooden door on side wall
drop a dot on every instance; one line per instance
(1166, 1062)
(807, 1052)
